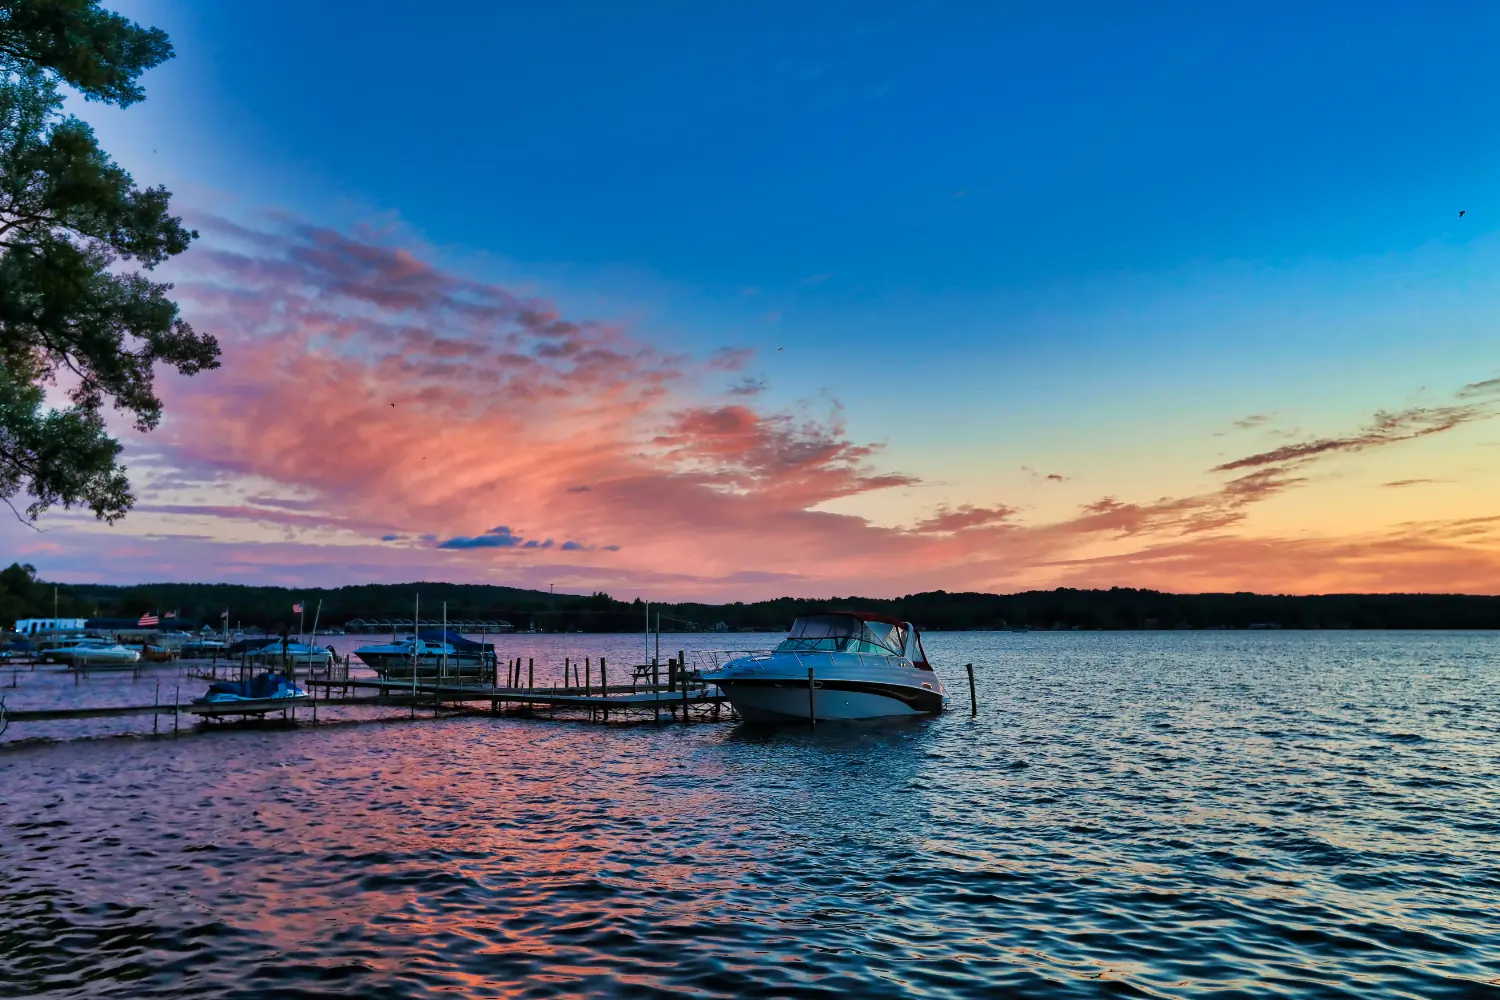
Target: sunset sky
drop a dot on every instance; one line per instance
(814, 299)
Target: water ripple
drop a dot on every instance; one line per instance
(1177, 815)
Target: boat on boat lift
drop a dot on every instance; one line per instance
(834, 665)
(94, 653)
(430, 656)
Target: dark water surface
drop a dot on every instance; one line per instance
(1152, 814)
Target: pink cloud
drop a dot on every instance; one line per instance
(390, 397)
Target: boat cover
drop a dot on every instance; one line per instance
(268, 685)
(458, 642)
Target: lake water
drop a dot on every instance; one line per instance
(1197, 814)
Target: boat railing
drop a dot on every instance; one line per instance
(705, 660)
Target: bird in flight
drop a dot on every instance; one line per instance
(1461, 213)
(393, 406)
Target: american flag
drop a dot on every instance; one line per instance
(296, 609)
(170, 614)
(148, 619)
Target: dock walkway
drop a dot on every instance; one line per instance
(624, 702)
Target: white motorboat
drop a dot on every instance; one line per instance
(394, 660)
(297, 654)
(95, 654)
(834, 665)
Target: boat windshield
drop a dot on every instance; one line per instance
(843, 634)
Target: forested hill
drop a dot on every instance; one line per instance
(23, 595)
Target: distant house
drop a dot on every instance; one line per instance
(31, 626)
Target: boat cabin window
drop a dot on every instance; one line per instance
(843, 634)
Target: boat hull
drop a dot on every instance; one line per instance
(787, 700)
(395, 666)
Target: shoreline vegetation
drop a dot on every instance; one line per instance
(23, 595)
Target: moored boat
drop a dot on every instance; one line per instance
(94, 654)
(294, 653)
(394, 660)
(834, 665)
(258, 696)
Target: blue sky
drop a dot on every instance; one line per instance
(1085, 237)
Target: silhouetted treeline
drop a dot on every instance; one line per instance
(22, 595)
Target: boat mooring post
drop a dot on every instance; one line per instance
(604, 683)
(973, 700)
(656, 687)
(682, 675)
(530, 675)
(812, 712)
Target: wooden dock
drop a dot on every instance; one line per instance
(620, 702)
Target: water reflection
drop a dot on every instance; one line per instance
(1149, 815)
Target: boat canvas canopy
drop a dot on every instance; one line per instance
(844, 632)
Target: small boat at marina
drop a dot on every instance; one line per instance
(268, 692)
(298, 654)
(94, 654)
(834, 665)
(428, 658)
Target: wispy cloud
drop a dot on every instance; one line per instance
(1253, 421)
(1384, 429)
(1486, 388)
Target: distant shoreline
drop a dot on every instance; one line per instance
(391, 605)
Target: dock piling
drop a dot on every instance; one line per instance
(604, 684)
(812, 713)
(973, 700)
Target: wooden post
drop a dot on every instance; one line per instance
(683, 672)
(530, 674)
(565, 673)
(973, 700)
(812, 712)
(656, 687)
(604, 683)
(588, 680)
(671, 674)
